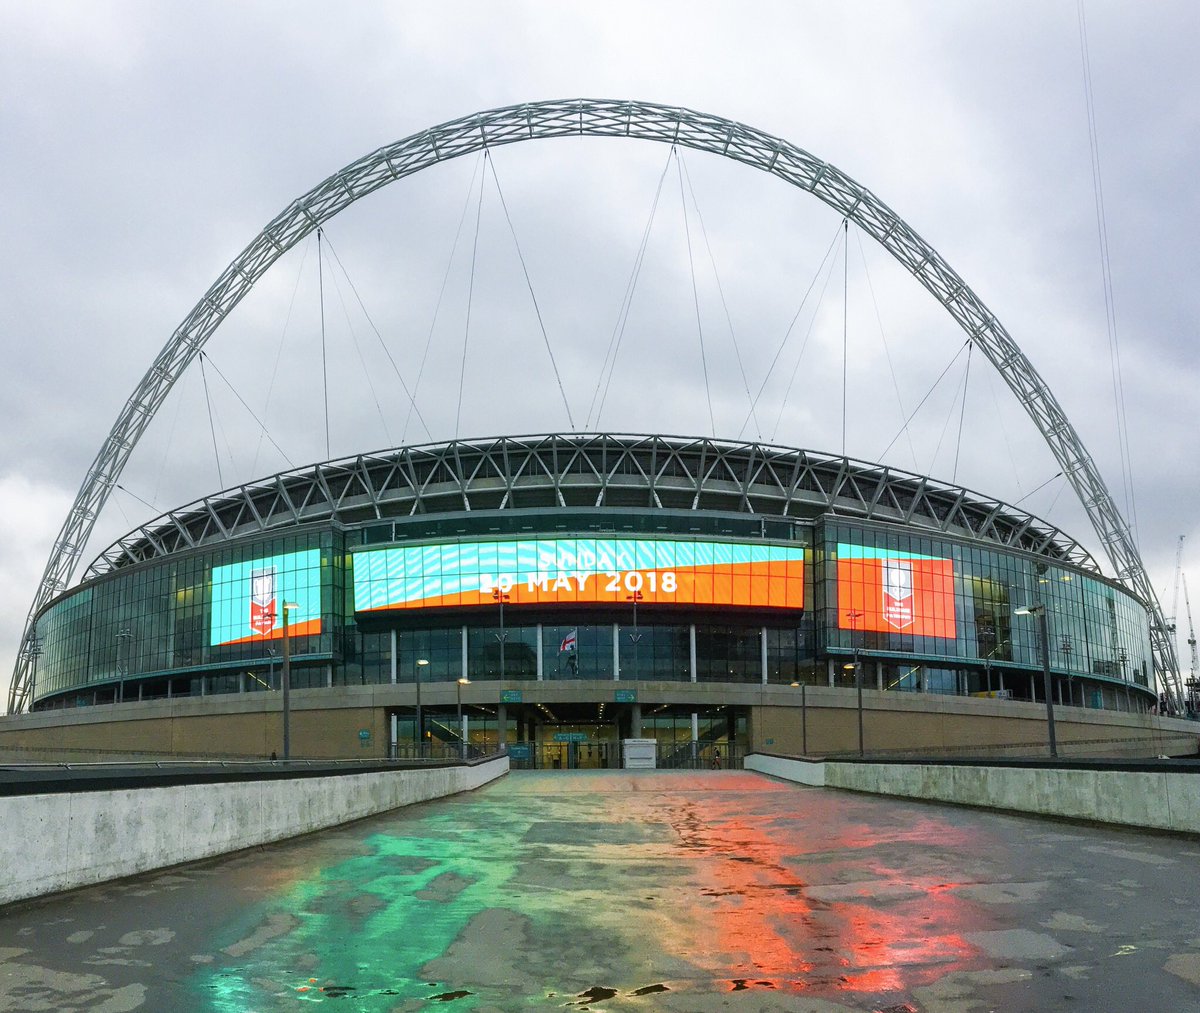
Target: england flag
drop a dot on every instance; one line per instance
(568, 642)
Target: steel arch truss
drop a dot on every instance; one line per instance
(592, 471)
(597, 118)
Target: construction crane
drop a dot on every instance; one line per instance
(1192, 685)
(1173, 621)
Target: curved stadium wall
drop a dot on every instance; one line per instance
(606, 558)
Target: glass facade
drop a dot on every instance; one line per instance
(921, 613)
(888, 592)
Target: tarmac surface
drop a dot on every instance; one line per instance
(688, 892)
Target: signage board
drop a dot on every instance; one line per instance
(570, 737)
(625, 696)
(510, 696)
(519, 751)
(891, 591)
(657, 571)
(248, 598)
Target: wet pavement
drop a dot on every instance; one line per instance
(615, 891)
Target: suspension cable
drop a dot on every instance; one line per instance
(170, 442)
(205, 357)
(958, 390)
(609, 366)
(788, 333)
(324, 369)
(1057, 474)
(966, 344)
(129, 492)
(812, 323)
(887, 352)
(1110, 313)
(721, 293)
(411, 395)
(279, 351)
(462, 373)
(212, 427)
(358, 347)
(998, 416)
(845, 320)
(695, 298)
(962, 413)
(412, 405)
(491, 164)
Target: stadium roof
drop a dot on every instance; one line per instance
(594, 471)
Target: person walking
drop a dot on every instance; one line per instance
(716, 760)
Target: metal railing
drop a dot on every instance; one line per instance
(607, 756)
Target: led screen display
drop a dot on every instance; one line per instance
(890, 591)
(248, 597)
(568, 570)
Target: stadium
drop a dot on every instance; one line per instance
(587, 589)
(557, 595)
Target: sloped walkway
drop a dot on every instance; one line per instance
(637, 891)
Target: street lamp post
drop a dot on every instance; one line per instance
(1044, 640)
(802, 686)
(420, 731)
(35, 652)
(501, 597)
(1065, 647)
(854, 617)
(634, 637)
(122, 635)
(462, 721)
(286, 678)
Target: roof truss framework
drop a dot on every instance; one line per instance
(652, 471)
(595, 118)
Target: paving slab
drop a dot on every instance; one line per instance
(641, 890)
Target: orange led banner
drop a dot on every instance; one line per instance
(884, 591)
(580, 570)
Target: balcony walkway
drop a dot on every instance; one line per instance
(601, 890)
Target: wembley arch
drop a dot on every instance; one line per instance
(597, 118)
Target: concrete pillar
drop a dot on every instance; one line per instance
(762, 643)
(695, 736)
(502, 728)
(635, 724)
(540, 674)
(829, 662)
(617, 653)
(879, 676)
(692, 650)
(464, 673)
(393, 745)
(393, 660)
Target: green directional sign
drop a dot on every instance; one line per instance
(625, 696)
(510, 696)
(570, 737)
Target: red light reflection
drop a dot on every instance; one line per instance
(796, 902)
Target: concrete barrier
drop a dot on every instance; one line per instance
(1154, 799)
(54, 842)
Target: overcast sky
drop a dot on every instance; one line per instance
(143, 145)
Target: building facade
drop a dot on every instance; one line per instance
(606, 561)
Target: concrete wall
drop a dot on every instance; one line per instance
(929, 724)
(62, 841)
(326, 723)
(1158, 800)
